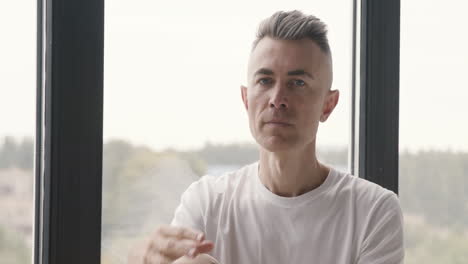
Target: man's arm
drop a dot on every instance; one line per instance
(383, 243)
(190, 211)
(182, 237)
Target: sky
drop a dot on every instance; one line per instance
(173, 71)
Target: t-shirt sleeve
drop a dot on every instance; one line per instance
(190, 211)
(383, 240)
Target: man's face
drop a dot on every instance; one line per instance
(288, 93)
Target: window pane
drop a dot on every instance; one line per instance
(17, 115)
(173, 110)
(434, 131)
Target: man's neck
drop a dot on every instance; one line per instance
(291, 173)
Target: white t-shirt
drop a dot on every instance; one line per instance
(346, 220)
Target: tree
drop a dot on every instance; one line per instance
(7, 153)
(25, 154)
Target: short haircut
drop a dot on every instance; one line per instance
(294, 25)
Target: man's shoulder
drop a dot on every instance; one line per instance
(365, 192)
(222, 183)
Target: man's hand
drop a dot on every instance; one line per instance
(170, 243)
(200, 259)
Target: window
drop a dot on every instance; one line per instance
(173, 109)
(17, 114)
(70, 116)
(434, 131)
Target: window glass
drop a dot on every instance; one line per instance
(434, 131)
(173, 110)
(17, 115)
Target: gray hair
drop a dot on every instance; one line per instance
(294, 25)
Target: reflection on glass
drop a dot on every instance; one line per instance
(433, 133)
(173, 110)
(17, 114)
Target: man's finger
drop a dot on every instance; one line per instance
(175, 248)
(202, 247)
(157, 259)
(182, 233)
(200, 259)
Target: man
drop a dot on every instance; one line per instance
(287, 207)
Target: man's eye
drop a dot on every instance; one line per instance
(298, 82)
(264, 81)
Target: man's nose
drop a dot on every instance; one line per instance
(279, 99)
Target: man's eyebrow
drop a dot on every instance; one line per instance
(266, 71)
(300, 72)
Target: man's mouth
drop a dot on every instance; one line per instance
(278, 123)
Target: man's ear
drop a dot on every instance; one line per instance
(244, 96)
(331, 101)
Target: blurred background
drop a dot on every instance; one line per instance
(173, 113)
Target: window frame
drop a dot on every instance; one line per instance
(68, 162)
(376, 124)
(69, 132)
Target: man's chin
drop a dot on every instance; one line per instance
(276, 144)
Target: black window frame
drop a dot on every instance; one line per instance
(68, 162)
(376, 119)
(69, 132)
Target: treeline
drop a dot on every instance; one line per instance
(19, 154)
(16, 153)
(435, 184)
(245, 153)
(432, 183)
(228, 154)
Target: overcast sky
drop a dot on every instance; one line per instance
(173, 70)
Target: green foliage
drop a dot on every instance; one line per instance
(7, 153)
(228, 154)
(17, 154)
(245, 153)
(435, 185)
(139, 163)
(25, 154)
(115, 153)
(122, 164)
(431, 245)
(197, 165)
(13, 250)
